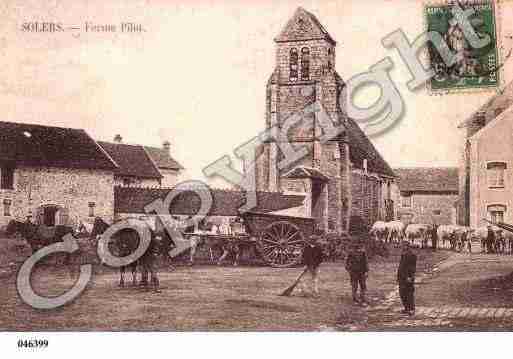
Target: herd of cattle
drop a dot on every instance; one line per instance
(491, 239)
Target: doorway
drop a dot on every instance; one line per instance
(49, 215)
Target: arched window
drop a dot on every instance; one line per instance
(305, 63)
(293, 73)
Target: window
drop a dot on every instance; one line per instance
(91, 209)
(293, 73)
(437, 212)
(305, 63)
(496, 213)
(7, 207)
(6, 177)
(495, 173)
(406, 200)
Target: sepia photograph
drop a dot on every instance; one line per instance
(307, 169)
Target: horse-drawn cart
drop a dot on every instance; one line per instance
(277, 240)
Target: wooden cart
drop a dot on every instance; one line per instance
(279, 239)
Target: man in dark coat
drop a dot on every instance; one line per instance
(358, 268)
(313, 256)
(490, 239)
(406, 278)
(434, 237)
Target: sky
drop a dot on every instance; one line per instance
(196, 76)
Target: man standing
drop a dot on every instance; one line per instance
(434, 236)
(312, 258)
(490, 239)
(406, 278)
(357, 266)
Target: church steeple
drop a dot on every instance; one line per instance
(305, 50)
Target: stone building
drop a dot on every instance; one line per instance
(486, 179)
(342, 178)
(55, 175)
(426, 195)
(143, 165)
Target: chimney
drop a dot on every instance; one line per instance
(118, 138)
(167, 147)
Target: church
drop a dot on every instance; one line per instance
(345, 180)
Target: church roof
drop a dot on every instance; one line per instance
(304, 26)
(360, 148)
(48, 146)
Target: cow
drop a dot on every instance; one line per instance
(455, 234)
(395, 231)
(379, 230)
(417, 231)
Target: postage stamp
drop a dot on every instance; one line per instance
(474, 67)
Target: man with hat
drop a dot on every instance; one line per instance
(313, 256)
(358, 268)
(406, 278)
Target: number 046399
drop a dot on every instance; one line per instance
(32, 343)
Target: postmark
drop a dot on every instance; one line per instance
(475, 67)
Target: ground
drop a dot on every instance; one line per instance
(245, 298)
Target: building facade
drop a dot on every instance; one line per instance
(486, 179)
(53, 175)
(426, 195)
(342, 178)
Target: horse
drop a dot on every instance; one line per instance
(39, 236)
(126, 241)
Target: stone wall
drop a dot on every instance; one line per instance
(429, 208)
(73, 190)
(366, 202)
(136, 182)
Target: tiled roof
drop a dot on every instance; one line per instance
(360, 148)
(307, 172)
(224, 202)
(290, 31)
(162, 158)
(132, 160)
(492, 108)
(427, 179)
(37, 145)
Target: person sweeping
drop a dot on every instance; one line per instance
(313, 256)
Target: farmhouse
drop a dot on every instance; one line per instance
(426, 195)
(486, 179)
(345, 180)
(54, 175)
(143, 165)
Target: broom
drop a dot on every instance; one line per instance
(287, 292)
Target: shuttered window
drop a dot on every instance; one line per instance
(6, 177)
(406, 200)
(495, 174)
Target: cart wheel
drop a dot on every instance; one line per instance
(281, 244)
